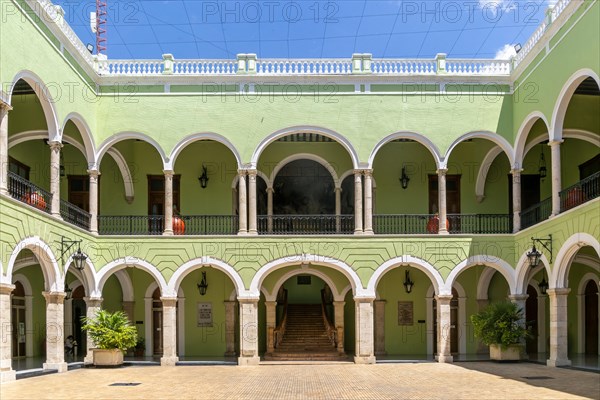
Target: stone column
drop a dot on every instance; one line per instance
(358, 202)
(229, 328)
(338, 207)
(368, 201)
(556, 175)
(68, 307)
(519, 300)
(364, 331)
(444, 327)
(4, 109)
(169, 357)
(7, 374)
(248, 332)
(92, 306)
(94, 174)
(338, 315)
(252, 202)
(558, 328)
(242, 203)
(516, 198)
(55, 338)
(541, 323)
(168, 203)
(271, 307)
(442, 200)
(128, 307)
(270, 209)
(380, 327)
(55, 178)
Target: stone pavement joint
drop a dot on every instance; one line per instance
(469, 380)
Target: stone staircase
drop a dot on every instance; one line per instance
(305, 337)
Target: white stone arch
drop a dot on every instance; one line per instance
(523, 271)
(483, 284)
(125, 172)
(564, 257)
(126, 285)
(585, 279)
(436, 279)
(29, 328)
(564, 98)
(121, 136)
(121, 263)
(491, 136)
(45, 257)
(489, 261)
(429, 145)
(261, 174)
(183, 143)
(523, 133)
(304, 259)
(350, 172)
(44, 95)
(25, 282)
(305, 156)
(85, 132)
(205, 261)
(483, 171)
(87, 275)
(345, 143)
(304, 271)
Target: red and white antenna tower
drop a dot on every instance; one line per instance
(101, 26)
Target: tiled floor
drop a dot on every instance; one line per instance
(424, 380)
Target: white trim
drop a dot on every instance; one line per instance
(121, 136)
(483, 171)
(523, 133)
(260, 174)
(183, 143)
(89, 148)
(564, 257)
(306, 129)
(304, 271)
(126, 285)
(124, 169)
(428, 144)
(590, 276)
(261, 274)
(490, 261)
(407, 260)
(491, 136)
(87, 275)
(305, 156)
(564, 98)
(128, 261)
(29, 329)
(483, 284)
(45, 258)
(524, 273)
(175, 282)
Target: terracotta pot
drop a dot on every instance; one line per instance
(178, 226)
(433, 225)
(574, 198)
(35, 199)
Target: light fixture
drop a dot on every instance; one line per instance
(68, 291)
(542, 165)
(90, 48)
(78, 258)
(404, 179)
(203, 285)
(534, 255)
(517, 47)
(543, 285)
(203, 178)
(62, 165)
(408, 284)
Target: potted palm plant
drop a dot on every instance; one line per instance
(500, 326)
(112, 334)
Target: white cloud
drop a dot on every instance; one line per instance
(499, 5)
(506, 52)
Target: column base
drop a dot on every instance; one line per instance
(443, 232)
(368, 232)
(242, 233)
(57, 216)
(168, 361)
(444, 359)
(558, 363)
(89, 359)
(168, 232)
(8, 376)
(248, 361)
(358, 232)
(60, 367)
(364, 359)
(252, 232)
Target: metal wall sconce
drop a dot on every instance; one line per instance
(203, 285)
(203, 178)
(78, 258)
(543, 285)
(404, 179)
(542, 165)
(62, 165)
(408, 284)
(68, 291)
(534, 255)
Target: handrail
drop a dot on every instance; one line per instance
(585, 190)
(27, 192)
(279, 331)
(331, 331)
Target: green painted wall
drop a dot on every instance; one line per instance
(304, 294)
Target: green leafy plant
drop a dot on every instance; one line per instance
(111, 330)
(500, 324)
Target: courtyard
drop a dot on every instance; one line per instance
(426, 380)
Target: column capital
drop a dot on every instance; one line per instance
(55, 146)
(93, 173)
(168, 173)
(5, 106)
(368, 172)
(248, 300)
(337, 189)
(441, 171)
(252, 172)
(558, 291)
(270, 190)
(555, 142)
(6, 288)
(516, 171)
(339, 303)
(242, 172)
(357, 172)
(93, 301)
(270, 303)
(444, 298)
(169, 301)
(518, 297)
(54, 297)
(364, 299)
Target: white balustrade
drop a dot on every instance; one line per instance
(304, 67)
(133, 67)
(404, 67)
(478, 67)
(204, 67)
(559, 7)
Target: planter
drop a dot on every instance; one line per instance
(574, 198)
(108, 357)
(433, 225)
(510, 353)
(35, 199)
(178, 226)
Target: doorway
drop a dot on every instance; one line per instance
(156, 201)
(591, 318)
(531, 315)
(157, 323)
(19, 342)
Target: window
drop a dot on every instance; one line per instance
(18, 168)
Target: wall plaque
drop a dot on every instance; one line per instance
(405, 313)
(205, 315)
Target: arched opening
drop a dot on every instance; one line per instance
(157, 324)
(591, 318)
(19, 322)
(531, 310)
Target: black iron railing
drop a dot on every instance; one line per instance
(130, 224)
(392, 224)
(74, 215)
(585, 190)
(305, 224)
(536, 213)
(480, 223)
(25, 191)
(208, 225)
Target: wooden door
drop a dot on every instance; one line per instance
(157, 323)
(452, 194)
(530, 191)
(591, 318)
(79, 191)
(18, 321)
(531, 316)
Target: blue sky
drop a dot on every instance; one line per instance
(146, 29)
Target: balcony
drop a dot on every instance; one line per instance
(29, 193)
(420, 224)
